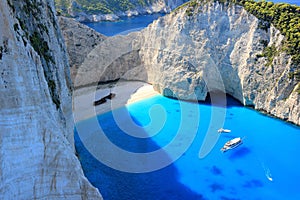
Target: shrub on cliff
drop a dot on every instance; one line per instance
(283, 16)
(65, 7)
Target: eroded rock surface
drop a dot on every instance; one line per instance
(37, 153)
(216, 48)
(80, 40)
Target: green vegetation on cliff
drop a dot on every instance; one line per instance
(286, 18)
(99, 6)
(38, 36)
(283, 16)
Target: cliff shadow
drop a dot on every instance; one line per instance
(113, 184)
(220, 101)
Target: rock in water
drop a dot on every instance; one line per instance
(36, 127)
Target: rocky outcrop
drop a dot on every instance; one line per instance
(37, 154)
(109, 61)
(80, 40)
(216, 47)
(76, 9)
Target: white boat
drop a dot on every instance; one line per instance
(231, 144)
(222, 130)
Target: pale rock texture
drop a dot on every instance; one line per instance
(37, 158)
(216, 48)
(109, 60)
(80, 40)
(83, 47)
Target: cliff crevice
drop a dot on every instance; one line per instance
(37, 156)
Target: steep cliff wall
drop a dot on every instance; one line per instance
(109, 60)
(80, 41)
(37, 159)
(218, 47)
(204, 48)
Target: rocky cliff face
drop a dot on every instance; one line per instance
(80, 40)
(109, 61)
(216, 47)
(36, 142)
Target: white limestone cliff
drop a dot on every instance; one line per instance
(80, 41)
(37, 157)
(108, 61)
(216, 48)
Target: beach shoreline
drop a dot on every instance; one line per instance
(126, 92)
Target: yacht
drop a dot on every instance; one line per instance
(222, 130)
(231, 144)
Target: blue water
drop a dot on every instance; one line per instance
(265, 166)
(125, 25)
(294, 2)
(130, 24)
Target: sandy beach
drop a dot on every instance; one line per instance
(127, 92)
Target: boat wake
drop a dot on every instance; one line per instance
(267, 172)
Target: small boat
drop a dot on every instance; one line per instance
(103, 100)
(231, 144)
(222, 130)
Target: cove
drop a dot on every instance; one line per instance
(265, 166)
(124, 26)
(129, 24)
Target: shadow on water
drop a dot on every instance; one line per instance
(254, 183)
(216, 171)
(220, 101)
(239, 153)
(232, 175)
(114, 184)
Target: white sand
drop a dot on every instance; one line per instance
(126, 92)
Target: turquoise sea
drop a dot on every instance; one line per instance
(265, 166)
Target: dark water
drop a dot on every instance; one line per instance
(125, 25)
(265, 166)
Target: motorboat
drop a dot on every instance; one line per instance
(231, 144)
(222, 130)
